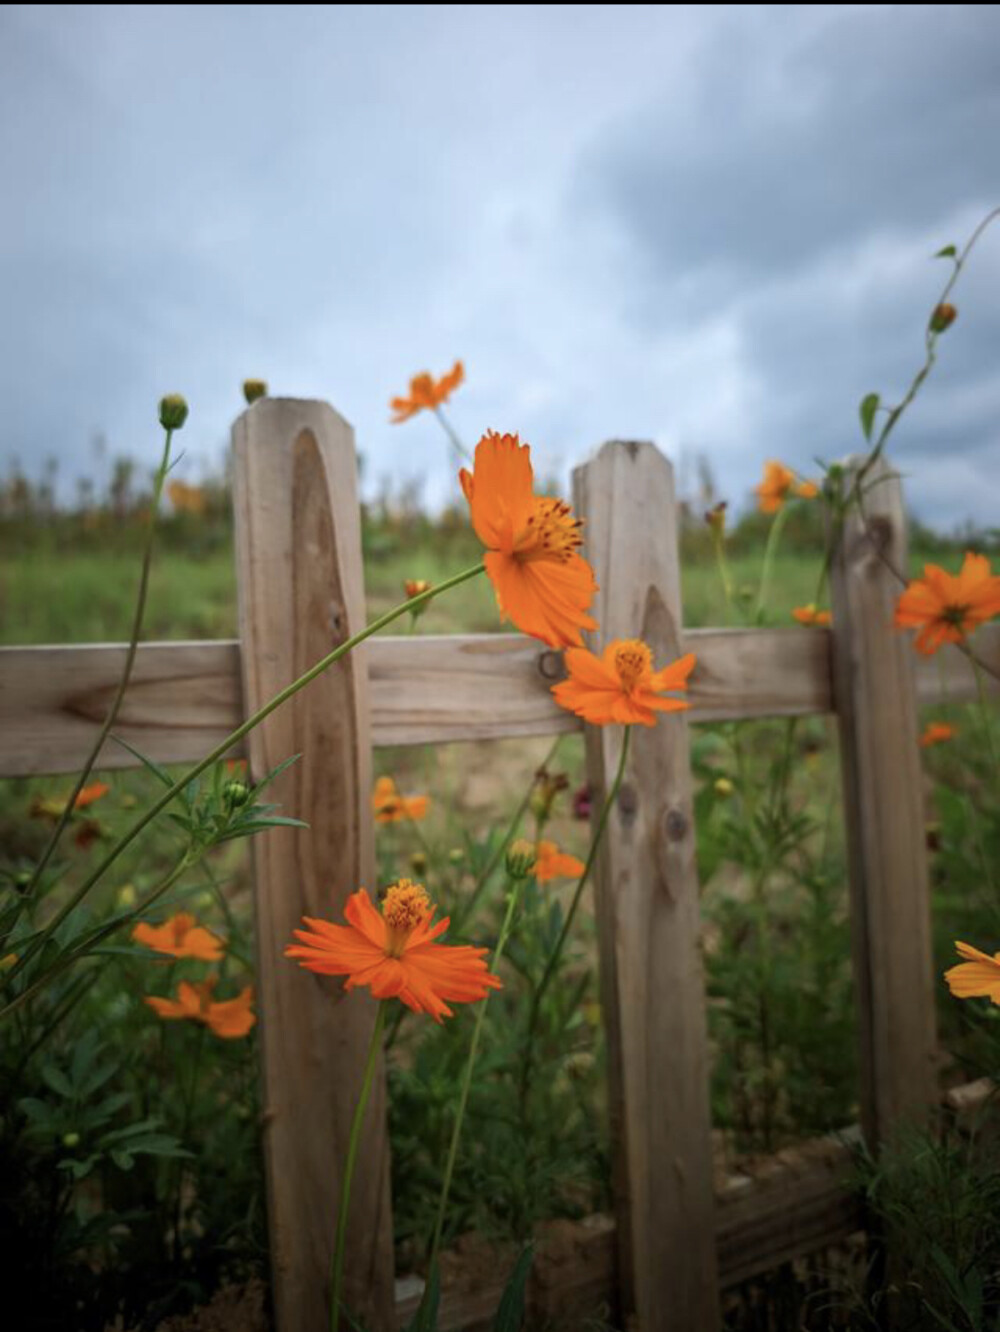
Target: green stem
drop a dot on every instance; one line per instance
(770, 550)
(987, 712)
(512, 904)
(260, 715)
(452, 434)
(337, 1268)
(556, 953)
(102, 735)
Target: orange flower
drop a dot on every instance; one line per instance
(946, 607)
(621, 685)
(778, 481)
(391, 807)
(810, 615)
(394, 953)
(426, 393)
(52, 807)
(979, 977)
(936, 734)
(541, 581)
(187, 499)
(230, 1018)
(415, 586)
(180, 937)
(551, 863)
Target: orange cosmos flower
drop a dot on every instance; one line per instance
(946, 607)
(231, 1018)
(810, 615)
(551, 863)
(394, 953)
(541, 581)
(621, 685)
(426, 393)
(180, 937)
(391, 807)
(936, 734)
(778, 481)
(979, 977)
(52, 807)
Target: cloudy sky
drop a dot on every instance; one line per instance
(709, 227)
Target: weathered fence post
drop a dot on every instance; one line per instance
(298, 552)
(875, 699)
(648, 919)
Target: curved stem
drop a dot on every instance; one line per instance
(770, 550)
(337, 1267)
(260, 715)
(556, 954)
(109, 720)
(453, 438)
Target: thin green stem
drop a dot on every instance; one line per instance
(343, 1207)
(109, 720)
(453, 436)
(221, 749)
(556, 954)
(987, 712)
(770, 550)
(513, 902)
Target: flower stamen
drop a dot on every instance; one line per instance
(404, 906)
(633, 661)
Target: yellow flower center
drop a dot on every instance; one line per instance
(405, 905)
(551, 533)
(633, 660)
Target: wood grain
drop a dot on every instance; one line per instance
(884, 816)
(298, 547)
(648, 922)
(185, 697)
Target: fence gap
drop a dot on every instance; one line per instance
(875, 698)
(646, 892)
(301, 592)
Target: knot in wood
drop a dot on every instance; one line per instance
(675, 825)
(338, 619)
(551, 665)
(879, 531)
(628, 802)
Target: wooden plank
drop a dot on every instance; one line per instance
(298, 549)
(646, 888)
(884, 815)
(185, 697)
(798, 1202)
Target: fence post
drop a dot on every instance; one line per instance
(875, 699)
(646, 892)
(300, 584)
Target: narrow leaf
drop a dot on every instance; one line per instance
(869, 406)
(949, 252)
(510, 1314)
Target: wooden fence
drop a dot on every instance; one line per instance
(674, 1241)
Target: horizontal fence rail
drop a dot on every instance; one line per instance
(186, 697)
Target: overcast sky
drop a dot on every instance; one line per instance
(709, 227)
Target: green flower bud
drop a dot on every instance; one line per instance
(71, 1139)
(943, 317)
(456, 855)
(254, 389)
(418, 862)
(520, 859)
(235, 794)
(173, 411)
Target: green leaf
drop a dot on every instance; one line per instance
(949, 252)
(160, 773)
(510, 1314)
(58, 1081)
(869, 406)
(425, 1319)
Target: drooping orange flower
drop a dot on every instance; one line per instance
(541, 581)
(936, 733)
(620, 685)
(979, 977)
(394, 952)
(778, 481)
(230, 1018)
(947, 607)
(52, 807)
(391, 807)
(551, 863)
(426, 393)
(810, 615)
(180, 936)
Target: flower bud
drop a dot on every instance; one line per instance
(235, 794)
(71, 1139)
(456, 855)
(173, 411)
(418, 862)
(415, 587)
(520, 859)
(716, 518)
(723, 786)
(254, 389)
(126, 896)
(943, 317)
